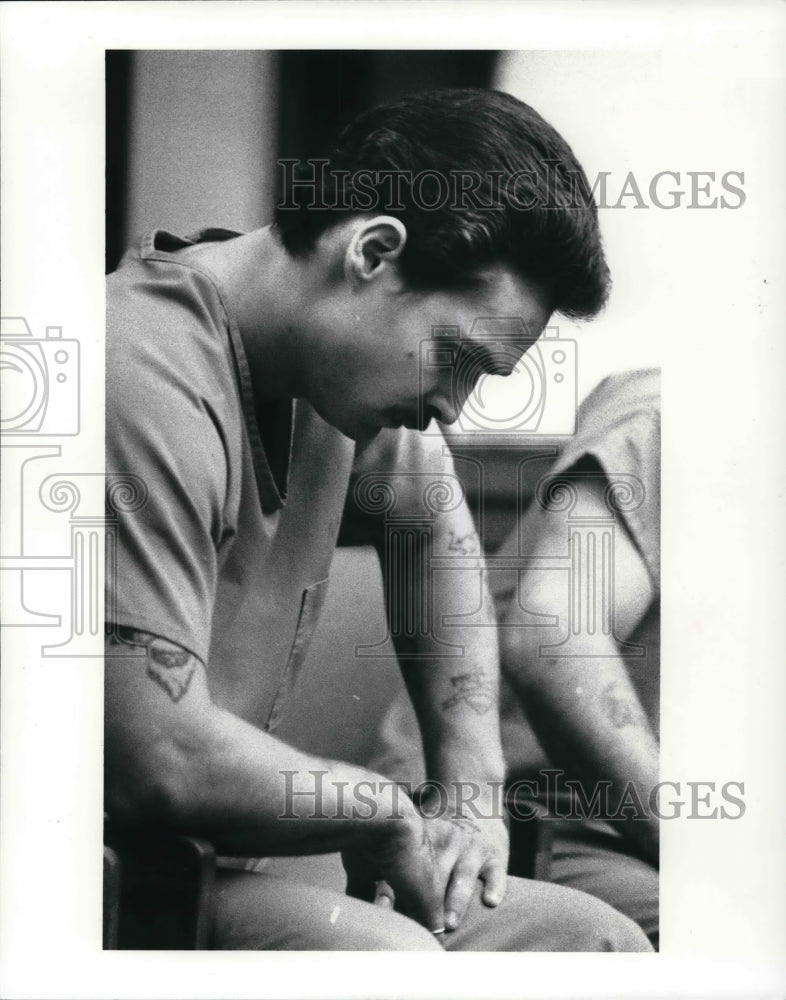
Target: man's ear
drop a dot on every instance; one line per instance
(375, 244)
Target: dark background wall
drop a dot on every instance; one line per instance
(193, 136)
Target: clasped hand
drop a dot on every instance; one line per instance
(427, 863)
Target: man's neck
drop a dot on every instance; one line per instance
(261, 282)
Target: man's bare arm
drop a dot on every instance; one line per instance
(456, 693)
(456, 699)
(455, 696)
(176, 760)
(584, 710)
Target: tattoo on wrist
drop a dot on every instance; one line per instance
(168, 664)
(473, 689)
(621, 709)
(465, 823)
(426, 845)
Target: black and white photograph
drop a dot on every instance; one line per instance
(366, 368)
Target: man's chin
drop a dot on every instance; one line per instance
(359, 431)
(364, 436)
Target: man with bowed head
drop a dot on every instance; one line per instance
(244, 371)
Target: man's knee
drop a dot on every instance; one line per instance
(590, 858)
(596, 926)
(390, 931)
(540, 916)
(255, 912)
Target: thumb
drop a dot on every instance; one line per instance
(384, 897)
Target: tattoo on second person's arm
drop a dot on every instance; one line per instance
(168, 664)
(473, 689)
(621, 709)
(464, 545)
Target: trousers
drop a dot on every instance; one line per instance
(593, 857)
(300, 904)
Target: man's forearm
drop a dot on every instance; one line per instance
(254, 795)
(174, 758)
(455, 692)
(436, 574)
(456, 697)
(588, 717)
(456, 700)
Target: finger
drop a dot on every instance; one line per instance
(419, 874)
(421, 896)
(494, 878)
(460, 888)
(384, 896)
(423, 903)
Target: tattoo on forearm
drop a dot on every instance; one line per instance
(168, 664)
(464, 545)
(621, 709)
(473, 689)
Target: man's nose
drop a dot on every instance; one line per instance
(450, 396)
(448, 411)
(449, 404)
(443, 407)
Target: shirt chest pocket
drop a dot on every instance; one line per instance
(311, 605)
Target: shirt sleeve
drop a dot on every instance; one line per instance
(628, 445)
(164, 426)
(619, 435)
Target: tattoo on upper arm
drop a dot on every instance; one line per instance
(168, 664)
(621, 709)
(473, 689)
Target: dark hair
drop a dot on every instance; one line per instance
(515, 194)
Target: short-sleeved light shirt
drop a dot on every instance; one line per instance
(224, 558)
